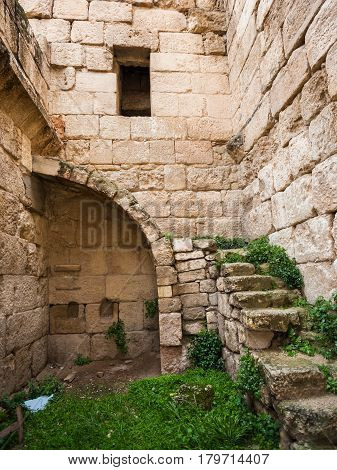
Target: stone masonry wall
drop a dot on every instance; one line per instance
(283, 69)
(100, 271)
(174, 162)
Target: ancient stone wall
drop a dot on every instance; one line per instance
(282, 61)
(173, 161)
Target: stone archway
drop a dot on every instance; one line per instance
(102, 184)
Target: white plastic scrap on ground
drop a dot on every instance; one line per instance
(37, 404)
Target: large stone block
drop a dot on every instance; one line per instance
(25, 328)
(39, 351)
(115, 127)
(132, 314)
(84, 289)
(169, 305)
(67, 55)
(171, 82)
(294, 205)
(172, 359)
(319, 279)
(130, 152)
(194, 300)
(71, 10)
(98, 59)
(162, 20)
(170, 326)
(173, 62)
(331, 70)
(314, 96)
(289, 80)
(325, 186)
(102, 348)
(120, 34)
(272, 62)
(81, 126)
(190, 265)
(166, 275)
(302, 158)
(144, 128)
(96, 82)
(126, 288)
(290, 122)
(110, 11)
(37, 8)
(184, 43)
(313, 241)
(194, 152)
(322, 33)
(284, 238)
(323, 132)
(66, 319)
(259, 221)
(97, 323)
(87, 32)
(207, 128)
(71, 102)
(281, 169)
(54, 30)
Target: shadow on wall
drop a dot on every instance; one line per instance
(100, 271)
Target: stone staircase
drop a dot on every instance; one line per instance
(255, 311)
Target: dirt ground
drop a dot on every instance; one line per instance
(104, 376)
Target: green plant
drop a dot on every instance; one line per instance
(260, 251)
(296, 344)
(323, 315)
(168, 236)
(205, 351)
(117, 331)
(151, 308)
(249, 377)
(230, 258)
(81, 360)
(331, 381)
(229, 243)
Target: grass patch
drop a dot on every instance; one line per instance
(132, 420)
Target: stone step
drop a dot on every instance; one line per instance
(244, 283)
(271, 319)
(312, 421)
(264, 299)
(291, 378)
(237, 269)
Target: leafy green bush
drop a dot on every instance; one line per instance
(151, 308)
(205, 351)
(258, 251)
(117, 331)
(129, 420)
(229, 243)
(331, 381)
(81, 360)
(249, 377)
(296, 344)
(323, 315)
(230, 258)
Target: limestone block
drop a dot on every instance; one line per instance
(162, 152)
(81, 126)
(201, 21)
(259, 220)
(169, 305)
(182, 245)
(208, 128)
(331, 70)
(290, 122)
(162, 252)
(23, 360)
(72, 11)
(284, 238)
(37, 8)
(129, 152)
(174, 62)
(210, 83)
(294, 205)
(166, 275)
(96, 82)
(313, 241)
(102, 348)
(322, 33)
(194, 300)
(115, 127)
(194, 313)
(314, 96)
(190, 265)
(165, 104)
(39, 350)
(323, 132)
(164, 292)
(62, 79)
(155, 203)
(191, 276)
(95, 322)
(170, 327)
(110, 11)
(174, 178)
(66, 54)
(231, 336)
(2, 335)
(188, 288)
(53, 30)
(120, 34)
(145, 128)
(289, 80)
(87, 32)
(184, 43)
(132, 314)
(218, 106)
(190, 255)
(257, 339)
(194, 152)
(214, 44)
(224, 307)
(208, 285)
(171, 82)
(262, 12)
(25, 328)
(140, 342)
(282, 170)
(162, 20)
(172, 360)
(193, 327)
(105, 103)
(97, 58)
(62, 321)
(260, 122)
(325, 186)
(297, 21)
(319, 279)
(71, 102)
(190, 105)
(272, 62)
(126, 288)
(302, 158)
(266, 182)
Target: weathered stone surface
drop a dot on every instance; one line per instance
(65, 348)
(194, 300)
(243, 283)
(314, 96)
(208, 285)
(194, 313)
(331, 70)
(313, 241)
(231, 336)
(193, 327)
(322, 33)
(110, 11)
(323, 132)
(263, 299)
(166, 275)
(169, 305)
(170, 326)
(325, 186)
(284, 238)
(256, 339)
(172, 359)
(270, 319)
(102, 348)
(190, 265)
(319, 279)
(63, 321)
(237, 269)
(37, 8)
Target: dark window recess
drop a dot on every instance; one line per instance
(135, 91)
(108, 308)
